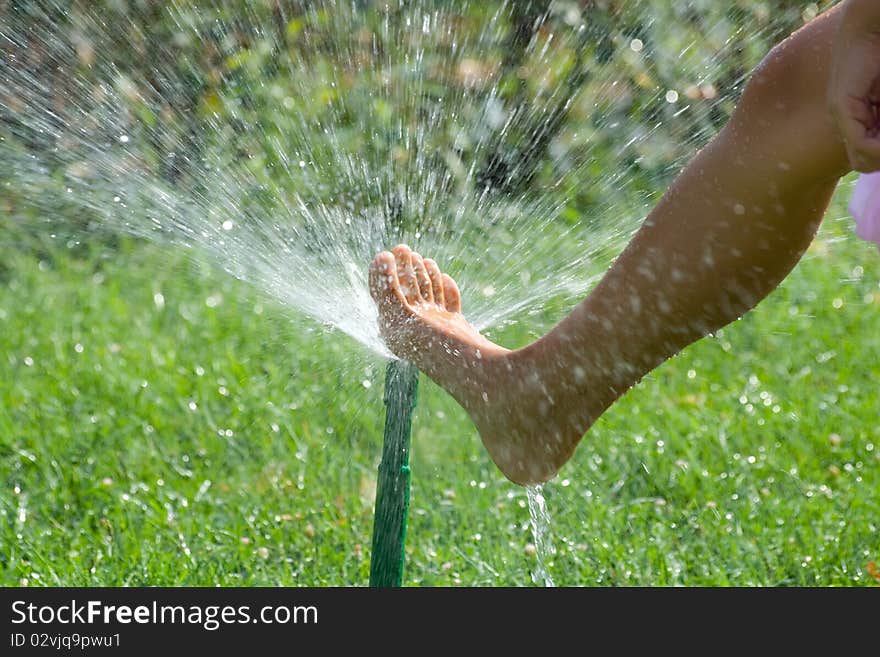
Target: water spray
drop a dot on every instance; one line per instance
(392, 490)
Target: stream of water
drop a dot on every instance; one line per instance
(539, 519)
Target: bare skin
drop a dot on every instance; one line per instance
(855, 83)
(726, 233)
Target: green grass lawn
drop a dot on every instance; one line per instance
(163, 424)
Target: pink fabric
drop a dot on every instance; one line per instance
(865, 207)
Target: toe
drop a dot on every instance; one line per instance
(436, 282)
(422, 278)
(384, 286)
(406, 274)
(451, 294)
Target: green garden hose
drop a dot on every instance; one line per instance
(392, 489)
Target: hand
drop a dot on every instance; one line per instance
(854, 92)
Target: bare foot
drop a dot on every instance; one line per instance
(525, 427)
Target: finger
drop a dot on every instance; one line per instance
(422, 278)
(864, 154)
(451, 294)
(436, 282)
(864, 164)
(855, 109)
(858, 122)
(865, 139)
(406, 274)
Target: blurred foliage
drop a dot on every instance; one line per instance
(511, 98)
